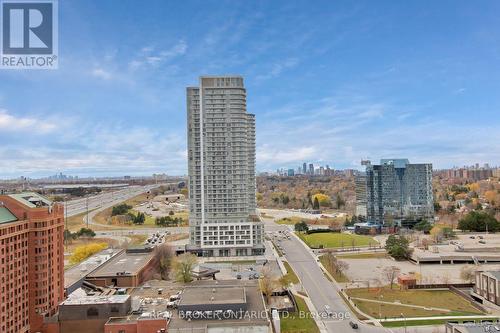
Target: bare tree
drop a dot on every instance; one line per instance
(183, 267)
(267, 283)
(468, 273)
(341, 267)
(390, 274)
(330, 260)
(163, 255)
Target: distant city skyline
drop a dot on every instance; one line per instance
(336, 84)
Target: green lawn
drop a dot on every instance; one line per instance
(425, 322)
(336, 240)
(430, 298)
(293, 323)
(338, 277)
(291, 274)
(393, 311)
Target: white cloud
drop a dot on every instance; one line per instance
(102, 74)
(278, 68)
(92, 149)
(275, 154)
(154, 58)
(12, 123)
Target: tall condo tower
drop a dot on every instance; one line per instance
(221, 167)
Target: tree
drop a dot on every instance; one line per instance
(398, 247)
(82, 252)
(316, 203)
(479, 221)
(323, 199)
(85, 232)
(437, 207)
(437, 233)
(390, 274)
(342, 267)
(139, 219)
(468, 273)
(267, 283)
(424, 226)
(163, 254)
(69, 236)
(301, 226)
(171, 213)
(120, 209)
(183, 265)
(340, 202)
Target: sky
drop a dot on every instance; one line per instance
(330, 82)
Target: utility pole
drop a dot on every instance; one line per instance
(65, 222)
(87, 201)
(402, 315)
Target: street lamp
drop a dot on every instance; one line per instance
(403, 316)
(380, 306)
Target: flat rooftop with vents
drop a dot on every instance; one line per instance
(126, 269)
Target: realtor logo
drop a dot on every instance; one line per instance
(28, 34)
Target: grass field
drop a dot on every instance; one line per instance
(425, 322)
(436, 298)
(292, 220)
(377, 310)
(290, 273)
(338, 277)
(336, 240)
(76, 222)
(293, 323)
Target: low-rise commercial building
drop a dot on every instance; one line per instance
(84, 314)
(228, 306)
(129, 268)
(130, 324)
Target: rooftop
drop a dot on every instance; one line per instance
(254, 305)
(495, 274)
(111, 299)
(6, 216)
(397, 162)
(76, 273)
(31, 199)
(213, 295)
(124, 263)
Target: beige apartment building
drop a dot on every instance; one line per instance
(221, 168)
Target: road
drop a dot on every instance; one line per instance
(323, 292)
(107, 199)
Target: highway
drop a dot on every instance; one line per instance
(104, 200)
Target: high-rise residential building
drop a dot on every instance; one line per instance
(397, 192)
(311, 169)
(304, 168)
(32, 261)
(221, 167)
(360, 185)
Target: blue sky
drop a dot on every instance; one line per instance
(330, 82)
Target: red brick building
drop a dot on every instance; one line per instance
(31, 261)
